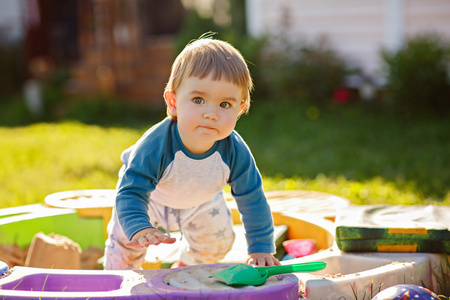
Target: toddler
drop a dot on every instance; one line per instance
(174, 176)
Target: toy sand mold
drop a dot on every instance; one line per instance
(247, 275)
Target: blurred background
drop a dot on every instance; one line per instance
(351, 98)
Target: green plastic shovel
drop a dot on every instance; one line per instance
(247, 275)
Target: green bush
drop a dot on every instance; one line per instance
(15, 112)
(108, 111)
(310, 73)
(11, 68)
(418, 76)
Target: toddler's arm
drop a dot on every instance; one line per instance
(262, 259)
(147, 237)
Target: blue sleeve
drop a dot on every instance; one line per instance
(246, 188)
(143, 164)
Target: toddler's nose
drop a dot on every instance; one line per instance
(210, 114)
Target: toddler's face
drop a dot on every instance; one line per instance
(207, 111)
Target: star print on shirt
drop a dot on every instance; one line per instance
(192, 226)
(220, 233)
(214, 212)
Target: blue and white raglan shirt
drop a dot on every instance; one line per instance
(160, 168)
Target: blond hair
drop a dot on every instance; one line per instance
(209, 56)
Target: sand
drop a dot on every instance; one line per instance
(51, 251)
(197, 278)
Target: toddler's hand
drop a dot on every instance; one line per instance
(260, 259)
(147, 237)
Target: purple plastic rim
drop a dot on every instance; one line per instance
(65, 282)
(287, 289)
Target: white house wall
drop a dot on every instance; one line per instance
(427, 16)
(357, 29)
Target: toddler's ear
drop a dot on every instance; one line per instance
(171, 102)
(242, 108)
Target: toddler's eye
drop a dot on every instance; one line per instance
(198, 101)
(225, 105)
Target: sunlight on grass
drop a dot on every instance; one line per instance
(367, 192)
(46, 158)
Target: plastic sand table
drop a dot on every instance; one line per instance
(182, 283)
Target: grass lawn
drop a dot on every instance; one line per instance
(45, 158)
(366, 158)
